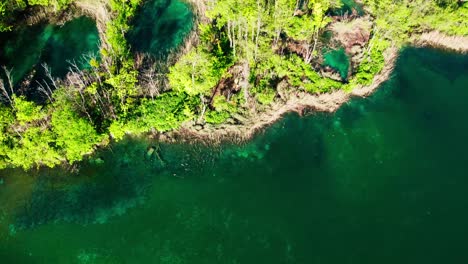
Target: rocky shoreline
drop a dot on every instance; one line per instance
(298, 102)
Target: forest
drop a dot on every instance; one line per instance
(241, 57)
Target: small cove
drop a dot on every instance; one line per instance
(24, 50)
(160, 27)
(339, 61)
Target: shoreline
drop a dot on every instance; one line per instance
(240, 128)
(301, 101)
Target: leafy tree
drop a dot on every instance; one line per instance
(6, 119)
(194, 73)
(75, 136)
(164, 113)
(33, 148)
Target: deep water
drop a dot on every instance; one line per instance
(25, 49)
(383, 180)
(160, 27)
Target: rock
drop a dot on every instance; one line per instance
(150, 151)
(356, 49)
(163, 137)
(198, 127)
(240, 119)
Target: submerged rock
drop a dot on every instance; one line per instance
(96, 161)
(150, 151)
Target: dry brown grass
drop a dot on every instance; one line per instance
(99, 10)
(352, 33)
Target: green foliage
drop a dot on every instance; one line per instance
(9, 8)
(121, 79)
(34, 149)
(221, 104)
(6, 118)
(56, 4)
(75, 136)
(26, 111)
(266, 96)
(298, 73)
(194, 73)
(198, 71)
(452, 20)
(396, 21)
(123, 86)
(223, 109)
(216, 117)
(118, 129)
(304, 27)
(264, 91)
(249, 34)
(26, 143)
(124, 11)
(3, 15)
(372, 64)
(164, 113)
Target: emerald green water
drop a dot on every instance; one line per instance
(383, 180)
(161, 26)
(25, 49)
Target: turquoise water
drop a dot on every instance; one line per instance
(339, 61)
(160, 27)
(25, 49)
(383, 180)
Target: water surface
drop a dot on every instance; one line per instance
(25, 49)
(338, 60)
(160, 27)
(383, 180)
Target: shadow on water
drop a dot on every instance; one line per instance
(25, 49)
(161, 26)
(107, 184)
(382, 180)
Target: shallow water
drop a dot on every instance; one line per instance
(160, 27)
(338, 60)
(25, 49)
(383, 180)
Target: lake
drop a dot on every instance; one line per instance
(382, 180)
